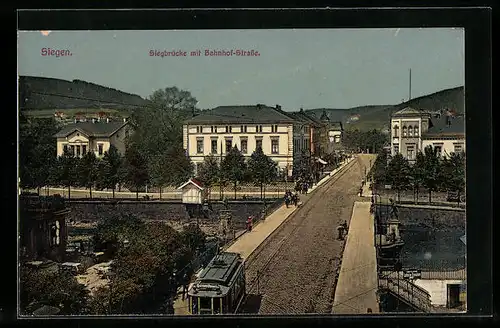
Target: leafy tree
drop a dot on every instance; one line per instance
(379, 170)
(193, 237)
(88, 170)
(263, 170)
(137, 169)
(418, 173)
(109, 172)
(37, 151)
(66, 171)
(431, 170)
(233, 167)
(453, 172)
(398, 173)
(209, 171)
(38, 288)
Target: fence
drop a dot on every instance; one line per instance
(408, 291)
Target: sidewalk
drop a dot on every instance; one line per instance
(357, 285)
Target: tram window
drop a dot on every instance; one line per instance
(225, 301)
(205, 305)
(216, 302)
(195, 305)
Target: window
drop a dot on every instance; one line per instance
(205, 304)
(230, 129)
(212, 129)
(214, 146)
(199, 146)
(258, 143)
(410, 150)
(243, 128)
(337, 139)
(458, 148)
(72, 150)
(396, 130)
(227, 129)
(410, 131)
(65, 148)
(415, 130)
(404, 131)
(100, 149)
(274, 128)
(194, 305)
(275, 146)
(78, 151)
(217, 303)
(396, 149)
(229, 145)
(84, 149)
(244, 146)
(258, 128)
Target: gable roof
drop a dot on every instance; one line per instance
(410, 111)
(98, 129)
(241, 114)
(194, 182)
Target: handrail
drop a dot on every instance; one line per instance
(417, 297)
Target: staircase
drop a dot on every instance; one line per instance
(407, 291)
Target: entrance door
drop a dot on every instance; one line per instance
(453, 295)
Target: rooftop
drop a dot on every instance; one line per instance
(221, 268)
(97, 129)
(241, 114)
(439, 126)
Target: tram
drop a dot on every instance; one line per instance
(220, 286)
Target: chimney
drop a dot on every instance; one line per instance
(278, 107)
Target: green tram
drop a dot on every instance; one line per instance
(220, 286)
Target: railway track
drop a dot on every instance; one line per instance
(262, 265)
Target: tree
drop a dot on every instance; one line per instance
(398, 173)
(193, 237)
(263, 170)
(453, 172)
(38, 288)
(209, 171)
(66, 171)
(233, 167)
(37, 151)
(88, 170)
(109, 173)
(137, 170)
(431, 169)
(418, 173)
(378, 171)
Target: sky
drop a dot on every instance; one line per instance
(309, 68)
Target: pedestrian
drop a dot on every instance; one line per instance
(369, 310)
(345, 226)
(295, 199)
(340, 230)
(361, 192)
(249, 223)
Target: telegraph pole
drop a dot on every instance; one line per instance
(409, 98)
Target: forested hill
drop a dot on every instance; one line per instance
(37, 93)
(378, 116)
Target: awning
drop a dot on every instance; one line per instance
(322, 161)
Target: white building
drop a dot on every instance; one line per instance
(413, 129)
(216, 131)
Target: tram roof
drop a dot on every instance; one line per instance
(221, 268)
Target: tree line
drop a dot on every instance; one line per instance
(429, 171)
(358, 141)
(150, 262)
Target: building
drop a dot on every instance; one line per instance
(42, 227)
(93, 136)
(414, 129)
(333, 133)
(216, 131)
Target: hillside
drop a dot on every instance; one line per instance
(40, 93)
(377, 116)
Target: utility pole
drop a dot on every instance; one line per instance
(409, 98)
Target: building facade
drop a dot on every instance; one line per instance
(216, 131)
(93, 136)
(413, 129)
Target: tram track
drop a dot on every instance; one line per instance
(260, 264)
